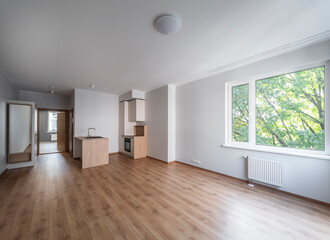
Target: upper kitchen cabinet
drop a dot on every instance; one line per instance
(125, 126)
(137, 110)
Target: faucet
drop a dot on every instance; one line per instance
(90, 129)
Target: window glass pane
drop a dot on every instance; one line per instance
(240, 113)
(290, 110)
(52, 121)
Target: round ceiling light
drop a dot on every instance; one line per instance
(168, 24)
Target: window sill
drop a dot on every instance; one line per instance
(307, 155)
(52, 132)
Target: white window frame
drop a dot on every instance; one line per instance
(251, 144)
(49, 124)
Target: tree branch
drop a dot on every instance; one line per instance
(310, 128)
(278, 114)
(314, 119)
(271, 131)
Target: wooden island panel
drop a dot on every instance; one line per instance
(94, 152)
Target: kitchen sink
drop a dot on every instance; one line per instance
(90, 137)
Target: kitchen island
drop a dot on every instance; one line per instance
(94, 151)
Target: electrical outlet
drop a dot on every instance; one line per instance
(196, 161)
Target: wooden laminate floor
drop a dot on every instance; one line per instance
(147, 199)
(48, 147)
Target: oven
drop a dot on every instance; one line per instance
(128, 144)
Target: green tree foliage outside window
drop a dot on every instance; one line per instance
(289, 110)
(240, 113)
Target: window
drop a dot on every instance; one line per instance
(52, 122)
(240, 113)
(284, 112)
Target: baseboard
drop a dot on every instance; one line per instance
(161, 160)
(258, 185)
(3, 172)
(113, 153)
(21, 165)
(293, 194)
(222, 174)
(126, 154)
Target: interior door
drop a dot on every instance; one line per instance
(61, 133)
(71, 132)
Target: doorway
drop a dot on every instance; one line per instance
(53, 131)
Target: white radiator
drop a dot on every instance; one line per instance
(53, 137)
(266, 171)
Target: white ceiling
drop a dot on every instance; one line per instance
(112, 43)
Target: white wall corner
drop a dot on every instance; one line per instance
(157, 122)
(171, 122)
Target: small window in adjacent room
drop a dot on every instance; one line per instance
(52, 122)
(286, 111)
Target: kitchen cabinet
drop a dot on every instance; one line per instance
(93, 151)
(135, 145)
(125, 126)
(140, 142)
(136, 110)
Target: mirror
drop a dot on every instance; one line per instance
(20, 133)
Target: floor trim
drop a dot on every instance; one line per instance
(51, 153)
(3, 172)
(113, 153)
(161, 160)
(20, 167)
(294, 195)
(222, 174)
(259, 185)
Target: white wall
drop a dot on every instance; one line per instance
(71, 101)
(97, 110)
(156, 121)
(44, 100)
(160, 120)
(7, 92)
(171, 123)
(200, 127)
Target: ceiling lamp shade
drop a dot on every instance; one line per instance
(168, 24)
